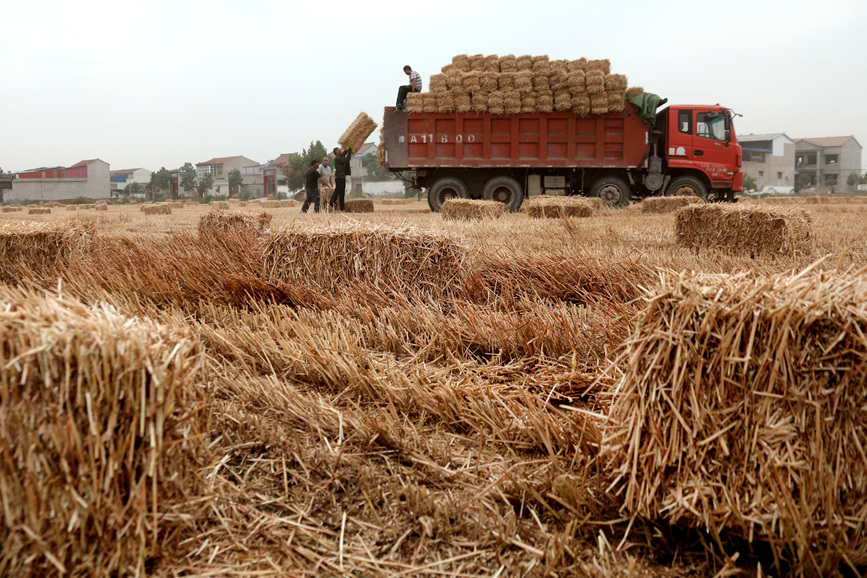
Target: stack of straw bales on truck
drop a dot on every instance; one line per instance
(523, 84)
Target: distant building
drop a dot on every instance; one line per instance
(770, 160)
(828, 161)
(89, 179)
(220, 168)
(125, 177)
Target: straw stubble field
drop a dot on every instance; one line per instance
(392, 393)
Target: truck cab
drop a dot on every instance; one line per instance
(701, 153)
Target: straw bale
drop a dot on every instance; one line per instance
(508, 63)
(546, 206)
(220, 222)
(615, 82)
(380, 148)
(540, 82)
(558, 80)
(512, 101)
(461, 62)
(495, 103)
(579, 65)
(506, 81)
(401, 260)
(524, 81)
(528, 102)
(38, 211)
(438, 83)
(492, 63)
(357, 132)
(359, 206)
(11, 209)
(71, 207)
(39, 247)
(477, 62)
(752, 229)
(599, 103)
(562, 100)
(455, 79)
(489, 81)
(544, 101)
(524, 62)
(429, 102)
(594, 82)
(633, 91)
(471, 80)
(104, 419)
(101, 207)
(221, 206)
(462, 101)
(666, 204)
(324, 196)
(561, 66)
(445, 102)
(603, 66)
(741, 413)
(470, 209)
(156, 209)
(480, 101)
(616, 101)
(242, 204)
(541, 64)
(581, 104)
(414, 102)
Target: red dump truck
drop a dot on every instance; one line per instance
(619, 156)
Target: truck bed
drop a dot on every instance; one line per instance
(559, 139)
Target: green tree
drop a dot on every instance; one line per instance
(749, 182)
(802, 182)
(204, 184)
(187, 178)
(852, 180)
(235, 182)
(374, 169)
(160, 180)
(298, 163)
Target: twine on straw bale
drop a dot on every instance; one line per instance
(470, 209)
(666, 204)
(156, 209)
(741, 412)
(359, 206)
(39, 247)
(752, 229)
(556, 207)
(357, 132)
(403, 260)
(220, 222)
(103, 431)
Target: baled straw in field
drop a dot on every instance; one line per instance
(741, 412)
(555, 207)
(38, 211)
(358, 131)
(102, 416)
(402, 260)
(39, 247)
(666, 204)
(221, 206)
(216, 223)
(469, 209)
(71, 207)
(752, 229)
(11, 209)
(359, 206)
(100, 207)
(156, 209)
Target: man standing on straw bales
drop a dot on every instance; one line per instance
(311, 184)
(413, 86)
(341, 171)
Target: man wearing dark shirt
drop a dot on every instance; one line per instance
(311, 184)
(341, 171)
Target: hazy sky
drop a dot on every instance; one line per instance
(153, 83)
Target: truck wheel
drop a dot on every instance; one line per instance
(687, 187)
(505, 190)
(444, 189)
(613, 191)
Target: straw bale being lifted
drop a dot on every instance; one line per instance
(359, 206)
(357, 132)
(751, 229)
(469, 209)
(741, 412)
(556, 207)
(33, 247)
(401, 260)
(104, 420)
(215, 223)
(666, 204)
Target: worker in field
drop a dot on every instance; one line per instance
(311, 185)
(325, 172)
(341, 171)
(413, 86)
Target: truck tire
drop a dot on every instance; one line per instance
(687, 186)
(613, 191)
(505, 190)
(444, 189)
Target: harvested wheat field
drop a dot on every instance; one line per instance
(267, 393)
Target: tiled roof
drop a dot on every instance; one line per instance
(219, 160)
(828, 141)
(81, 163)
